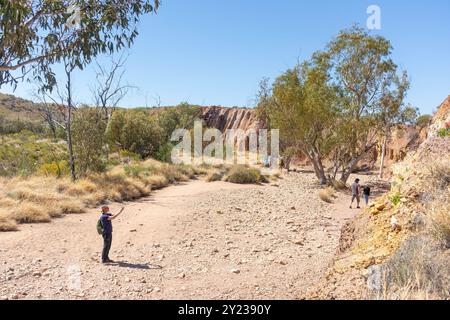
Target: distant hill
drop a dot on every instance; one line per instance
(13, 108)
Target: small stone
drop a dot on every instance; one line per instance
(133, 230)
(236, 271)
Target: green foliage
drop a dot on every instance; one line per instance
(55, 168)
(128, 156)
(179, 117)
(135, 131)
(395, 198)
(24, 153)
(88, 129)
(32, 36)
(444, 132)
(164, 153)
(133, 170)
(423, 120)
(302, 105)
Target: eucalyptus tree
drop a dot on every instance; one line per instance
(34, 35)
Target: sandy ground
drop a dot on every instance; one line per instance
(196, 240)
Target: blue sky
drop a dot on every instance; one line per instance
(215, 52)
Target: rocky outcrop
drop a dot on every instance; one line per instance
(231, 118)
(397, 233)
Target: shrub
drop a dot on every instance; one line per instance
(326, 194)
(395, 198)
(416, 267)
(423, 120)
(28, 212)
(129, 156)
(7, 224)
(440, 175)
(214, 176)
(244, 175)
(54, 168)
(133, 170)
(338, 184)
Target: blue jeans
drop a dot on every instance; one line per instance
(366, 199)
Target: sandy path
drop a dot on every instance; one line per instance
(196, 240)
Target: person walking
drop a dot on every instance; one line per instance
(106, 223)
(355, 193)
(366, 193)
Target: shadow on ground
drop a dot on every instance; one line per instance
(142, 266)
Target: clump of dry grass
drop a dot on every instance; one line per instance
(245, 175)
(28, 212)
(7, 224)
(326, 194)
(215, 176)
(417, 270)
(338, 184)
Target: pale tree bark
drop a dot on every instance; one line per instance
(383, 155)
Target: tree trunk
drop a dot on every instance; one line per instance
(318, 167)
(69, 129)
(383, 155)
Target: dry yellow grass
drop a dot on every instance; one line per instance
(30, 212)
(326, 194)
(39, 198)
(7, 224)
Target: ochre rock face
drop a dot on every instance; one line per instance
(441, 118)
(231, 118)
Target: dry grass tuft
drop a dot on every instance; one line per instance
(327, 194)
(7, 224)
(245, 175)
(28, 212)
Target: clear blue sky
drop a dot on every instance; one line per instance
(215, 52)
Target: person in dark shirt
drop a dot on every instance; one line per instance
(106, 219)
(366, 193)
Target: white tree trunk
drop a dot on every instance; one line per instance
(383, 155)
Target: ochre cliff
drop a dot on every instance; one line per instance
(231, 118)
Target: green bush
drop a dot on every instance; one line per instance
(129, 156)
(133, 170)
(395, 198)
(164, 153)
(423, 120)
(244, 175)
(57, 169)
(215, 176)
(444, 132)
